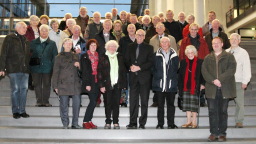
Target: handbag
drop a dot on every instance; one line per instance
(34, 61)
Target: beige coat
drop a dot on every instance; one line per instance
(155, 42)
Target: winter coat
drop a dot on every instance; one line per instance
(222, 35)
(30, 35)
(104, 73)
(46, 53)
(201, 52)
(101, 41)
(14, 57)
(65, 74)
(198, 76)
(165, 77)
(225, 70)
(87, 78)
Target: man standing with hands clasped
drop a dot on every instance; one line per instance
(139, 61)
(218, 70)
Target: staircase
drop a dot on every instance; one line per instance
(44, 124)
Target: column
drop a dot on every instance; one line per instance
(199, 11)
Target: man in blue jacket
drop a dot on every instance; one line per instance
(165, 80)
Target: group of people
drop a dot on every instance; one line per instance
(121, 55)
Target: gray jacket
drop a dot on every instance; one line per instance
(65, 74)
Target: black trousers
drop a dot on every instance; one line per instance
(139, 90)
(170, 98)
(111, 102)
(42, 84)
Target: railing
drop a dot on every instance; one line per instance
(239, 10)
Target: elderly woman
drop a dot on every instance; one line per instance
(65, 82)
(55, 33)
(44, 19)
(32, 30)
(63, 25)
(111, 79)
(89, 65)
(190, 84)
(196, 40)
(43, 52)
(117, 30)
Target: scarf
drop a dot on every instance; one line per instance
(94, 62)
(192, 80)
(113, 67)
(118, 35)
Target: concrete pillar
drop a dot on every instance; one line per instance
(169, 5)
(199, 11)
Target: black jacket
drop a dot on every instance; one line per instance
(104, 73)
(15, 54)
(198, 76)
(123, 44)
(174, 29)
(144, 61)
(165, 77)
(87, 78)
(101, 41)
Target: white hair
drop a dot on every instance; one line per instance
(83, 8)
(19, 24)
(144, 33)
(146, 16)
(236, 35)
(96, 13)
(108, 13)
(44, 26)
(190, 48)
(34, 17)
(71, 20)
(111, 42)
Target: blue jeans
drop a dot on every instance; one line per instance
(64, 101)
(218, 114)
(19, 90)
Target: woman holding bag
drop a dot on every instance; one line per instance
(66, 82)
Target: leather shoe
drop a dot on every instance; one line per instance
(142, 127)
(212, 138)
(116, 126)
(24, 115)
(76, 127)
(203, 104)
(16, 115)
(159, 127)
(131, 126)
(107, 126)
(173, 126)
(222, 138)
(239, 125)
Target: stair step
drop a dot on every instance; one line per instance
(55, 121)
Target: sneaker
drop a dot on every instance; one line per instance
(76, 127)
(87, 125)
(93, 126)
(107, 126)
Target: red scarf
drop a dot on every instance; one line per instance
(193, 72)
(94, 61)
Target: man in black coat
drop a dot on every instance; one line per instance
(104, 36)
(139, 61)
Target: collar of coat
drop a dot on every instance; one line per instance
(39, 41)
(172, 53)
(223, 54)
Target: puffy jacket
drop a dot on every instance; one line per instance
(47, 55)
(14, 57)
(165, 77)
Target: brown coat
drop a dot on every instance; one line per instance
(65, 77)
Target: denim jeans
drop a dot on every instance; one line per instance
(64, 101)
(218, 114)
(19, 89)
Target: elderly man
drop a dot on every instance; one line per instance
(67, 32)
(83, 19)
(173, 26)
(139, 61)
(78, 41)
(146, 23)
(14, 62)
(133, 20)
(147, 12)
(108, 15)
(182, 20)
(93, 28)
(216, 31)
(165, 69)
(208, 25)
(45, 50)
(242, 76)
(185, 31)
(104, 36)
(152, 30)
(218, 70)
(115, 15)
(155, 40)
